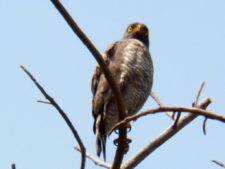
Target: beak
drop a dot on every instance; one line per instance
(140, 29)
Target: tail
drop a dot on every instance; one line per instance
(100, 146)
(100, 138)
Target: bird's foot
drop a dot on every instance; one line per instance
(128, 127)
(126, 145)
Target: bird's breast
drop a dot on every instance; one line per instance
(134, 61)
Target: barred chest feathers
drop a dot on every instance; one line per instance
(136, 73)
(135, 61)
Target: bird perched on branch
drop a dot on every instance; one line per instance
(131, 66)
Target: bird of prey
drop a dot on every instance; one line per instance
(131, 66)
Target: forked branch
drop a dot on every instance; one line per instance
(162, 138)
(62, 113)
(192, 110)
(157, 100)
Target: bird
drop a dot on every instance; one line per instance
(131, 66)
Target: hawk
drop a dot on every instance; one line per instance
(131, 66)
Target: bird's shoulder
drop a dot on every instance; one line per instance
(116, 54)
(107, 57)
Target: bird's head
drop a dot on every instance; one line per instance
(138, 31)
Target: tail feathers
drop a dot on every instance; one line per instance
(99, 129)
(101, 145)
(104, 147)
(98, 145)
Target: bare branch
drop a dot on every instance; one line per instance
(62, 113)
(199, 93)
(13, 166)
(94, 159)
(219, 163)
(195, 104)
(157, 100)
(204, 125)
(122, 130)
(177, 119)
(162, 138)
(43, 101)
(191, 110)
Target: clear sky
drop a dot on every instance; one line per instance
(187, 43)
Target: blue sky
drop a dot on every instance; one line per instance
(187, 45)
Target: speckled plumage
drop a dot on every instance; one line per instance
(130, 63)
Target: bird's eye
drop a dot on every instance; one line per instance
(130, 29)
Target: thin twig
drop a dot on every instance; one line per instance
(204, 125)
(116, 92)
(62, 113)
(94, 159)
(161, 139)
(158, 101)
(13, 166)
(219, 163)
(195, 104)
(198, 94)
(43, 101)
(191, 110)
(177, 119)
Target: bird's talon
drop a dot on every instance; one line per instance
(116, 141)
(128, 141)
(128, 126)
(116, 131)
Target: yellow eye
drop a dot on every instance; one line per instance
(130, 29)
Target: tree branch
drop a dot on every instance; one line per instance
(219, 163)
(122, 130)
(62, 113)
(157, 100)
(94, 159)
(198, 94)
(191, 110)
(162, 138)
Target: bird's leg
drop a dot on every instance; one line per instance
(128, 140)
(127, 125)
